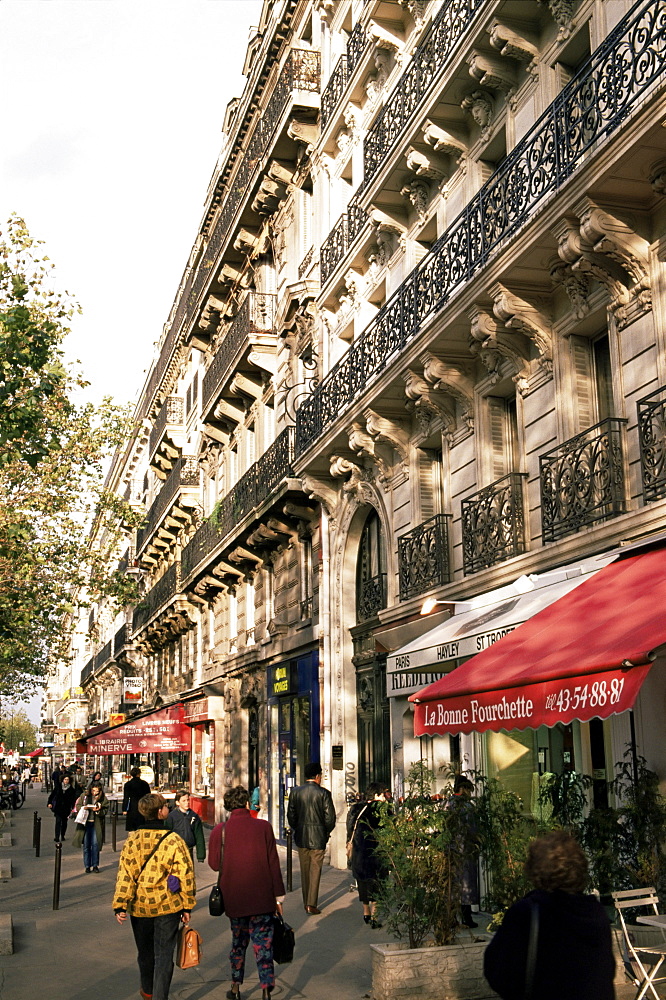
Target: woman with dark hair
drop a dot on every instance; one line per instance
(90, 835)
(556, 942)
(243, 851)
(363, 820)
(61, 802)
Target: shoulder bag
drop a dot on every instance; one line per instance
(188, 947)
(349, 846)
(215, 900)
(283, 940)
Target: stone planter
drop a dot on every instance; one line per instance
(449, 972)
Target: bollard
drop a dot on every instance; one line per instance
(56, 876)
(38, 834)
(114, 823)
(290, 880)
(34, 828)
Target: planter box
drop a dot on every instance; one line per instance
(450, 972)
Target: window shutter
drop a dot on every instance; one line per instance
(583, 377)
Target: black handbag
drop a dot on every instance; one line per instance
(215, 901)
(283, 940)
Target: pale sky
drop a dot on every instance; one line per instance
(112, 114)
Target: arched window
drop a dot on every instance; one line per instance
(370, 570)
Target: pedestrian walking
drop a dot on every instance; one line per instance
(90, 835)
(61, 802)
(311, 815)
(461, 802)
(363, 821)
(572, 954)
(155, 886)
(133, 791)
(185, 822)
(243, 851)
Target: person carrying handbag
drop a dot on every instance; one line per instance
(155, 886)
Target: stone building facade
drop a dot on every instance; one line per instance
(417, 351)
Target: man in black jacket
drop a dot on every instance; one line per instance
(311, 815)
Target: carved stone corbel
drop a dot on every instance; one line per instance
(417, 8)
(562, 12)
(423, 165)
(442, 141)
(304, 132)
(384, 38)
(510, 44)
(577, 286)
(491, 72)
(480, 105)
(388, 432)
(417, 192)
(325, 494)
(427, 404)
(487, 343)
(520, 316)
(363, 445)
(657, 177)
(454, 378)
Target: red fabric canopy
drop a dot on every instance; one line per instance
(36, 753)
(583, 656)
(160, 731)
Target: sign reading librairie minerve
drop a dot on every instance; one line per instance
(158, 732)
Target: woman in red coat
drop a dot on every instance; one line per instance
(252, 887)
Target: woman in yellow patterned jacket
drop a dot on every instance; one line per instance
(155, 885)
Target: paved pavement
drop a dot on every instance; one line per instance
(79, 952)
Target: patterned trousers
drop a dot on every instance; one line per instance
(259, 929)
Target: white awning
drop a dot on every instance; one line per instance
(489, 618)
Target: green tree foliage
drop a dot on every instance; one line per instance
(17, 728)
(52, 458)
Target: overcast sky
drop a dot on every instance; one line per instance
(112, 117)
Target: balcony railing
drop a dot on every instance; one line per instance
(256, 315)
(88, 670)
(428, 63)
(622, 69)
(103, 656)
(356, 44)
(156, 598)
(423, 557)
(121, 639)
(342, 237)
(493, 524)
(184, 473)
(333, 90)
(299, 73)
(582, 481)
(251, 490)
(371, 597)
(652, 438)
(171, 413)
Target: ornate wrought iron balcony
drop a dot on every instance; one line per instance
(342, 237)
(652, 438)
(371, 597)
(104, 655)
(423, 557)
(170, 416)
(157, 598)
(252, 489)
(88, 670)
(582, 481)
(428, 63)
(255, 316)
(301, 73)
(333, 90)
(185, 474)
(593, 105)
(356, 44)
(493, 524)
(121, 639)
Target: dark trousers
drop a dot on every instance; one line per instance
(155, 939)
(61, 827)
(311, 861)
(258, 929)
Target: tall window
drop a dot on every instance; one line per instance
(370, 570)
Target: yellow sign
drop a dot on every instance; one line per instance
(115, 718)
(281, 680)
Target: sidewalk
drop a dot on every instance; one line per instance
(79, 952)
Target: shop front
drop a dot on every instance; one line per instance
(159, 743)
(557, 692)
(202, 758)
(293, 723)
(519, 756)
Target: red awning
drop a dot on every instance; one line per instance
(583, 656)
(158, 732)
(36, 753)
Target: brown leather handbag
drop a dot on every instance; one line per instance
(188, 947)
